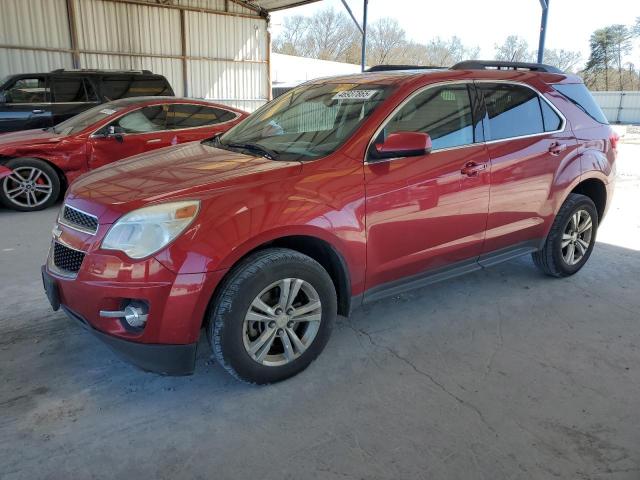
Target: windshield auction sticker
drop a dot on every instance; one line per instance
(355, 95)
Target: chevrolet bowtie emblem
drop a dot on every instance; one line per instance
(56, 232)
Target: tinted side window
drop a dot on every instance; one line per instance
(149, 86)
(580, 96)
(182, 115)
(28, 90)
(121, 86)
(442, 112)
(513, 111)
(551, 119)
(69, 90)
(148, 119)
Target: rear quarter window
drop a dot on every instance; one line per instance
(578, 94)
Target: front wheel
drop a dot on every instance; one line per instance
(571, 239)
(273, 316)
(33, 185)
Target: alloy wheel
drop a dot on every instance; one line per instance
(27, 187)
(282, 322)
(577, 237)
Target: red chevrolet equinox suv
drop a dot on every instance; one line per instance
(340, 192)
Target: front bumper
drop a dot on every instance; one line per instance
(177, 306)
(162, 359)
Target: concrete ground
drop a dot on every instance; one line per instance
(503, 373)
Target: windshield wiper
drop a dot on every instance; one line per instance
(263, 151)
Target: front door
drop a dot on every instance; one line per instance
(429, 212)
(27, 105)
(136, 132)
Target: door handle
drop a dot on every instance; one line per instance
(471, 169)
(37, 111)
(556, 148)
(154, 140)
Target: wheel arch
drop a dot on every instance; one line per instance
(319, 249)
(596, 190)
(64, 183)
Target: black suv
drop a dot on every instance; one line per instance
(41, 100)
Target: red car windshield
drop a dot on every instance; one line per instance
(85, 119)
(308, 122)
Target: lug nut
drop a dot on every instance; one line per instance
(290, 311)
(278, 311)
(280, 331)
(272, 324)
(289, 324)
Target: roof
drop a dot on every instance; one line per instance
(127, 102)
(273, 5)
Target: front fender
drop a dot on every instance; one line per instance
(5, 172)
(217, 243)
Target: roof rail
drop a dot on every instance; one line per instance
(100, 70)
(387, 68)
(499, 65)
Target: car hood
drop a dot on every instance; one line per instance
(191, 170)
(28, 137)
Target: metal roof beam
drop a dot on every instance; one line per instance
(346, 5)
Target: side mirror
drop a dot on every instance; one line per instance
(402, 144)
(116, 132)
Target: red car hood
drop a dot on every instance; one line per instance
(28, 137)
(191, 170)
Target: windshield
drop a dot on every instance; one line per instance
(85, 119)
(308, 122)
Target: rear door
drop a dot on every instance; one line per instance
(190, 122)
(27, 105)
(429, 212)
(71, 95)
(528, 145)
(142, 130)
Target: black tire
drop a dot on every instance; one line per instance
(47, 174)
(226, 328)
(550, 258)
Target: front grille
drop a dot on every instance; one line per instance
(79, 220)
(67, 259)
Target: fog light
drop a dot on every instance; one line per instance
(135, 314)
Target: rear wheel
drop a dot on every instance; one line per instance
(33, 185)
(571, 239)
(273, 316)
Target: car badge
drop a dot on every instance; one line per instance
(56, 232)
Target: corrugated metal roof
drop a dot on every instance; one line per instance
(271, 5)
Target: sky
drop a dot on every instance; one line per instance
(488, 22)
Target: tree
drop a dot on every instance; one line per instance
(386, 40)
(565, 60)
(608, 47)
(330, 35)
(514, 49)
(291, 40)
(621, 41)
(445, 53)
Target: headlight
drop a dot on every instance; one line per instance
(145, 231)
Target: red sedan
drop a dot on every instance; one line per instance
(45, 162)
